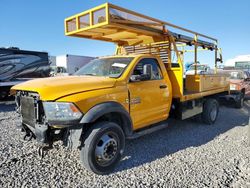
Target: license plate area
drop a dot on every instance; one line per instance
(28, 110)
(232, 87)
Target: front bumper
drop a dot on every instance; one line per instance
(234, 96)
(45, 134)
(36, 126)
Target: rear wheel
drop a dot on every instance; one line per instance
(103, 147)
(210, 111)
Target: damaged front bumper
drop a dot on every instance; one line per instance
(35, 125)
(46, 135)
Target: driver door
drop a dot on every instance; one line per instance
(149, 99)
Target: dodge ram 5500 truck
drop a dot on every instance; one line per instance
(123, 96)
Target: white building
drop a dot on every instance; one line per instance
(52, 60)
(72, 63)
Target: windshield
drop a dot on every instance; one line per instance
(236, 75)
(199, 67)
(111, 67)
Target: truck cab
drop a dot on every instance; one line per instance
(133, 91)
(133, 82)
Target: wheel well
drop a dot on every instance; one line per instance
(243, 91)
(119, 119)
(216, 96)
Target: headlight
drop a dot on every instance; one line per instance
(232, 87)
(61, 111)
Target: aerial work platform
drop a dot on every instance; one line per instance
(133, 32)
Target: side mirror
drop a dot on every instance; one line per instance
(148, 70)
(147, 74)
(135, 78)
(145, 77)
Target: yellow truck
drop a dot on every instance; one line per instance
(123, 96)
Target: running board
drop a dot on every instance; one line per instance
(149, 130)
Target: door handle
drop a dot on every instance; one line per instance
(163, 86)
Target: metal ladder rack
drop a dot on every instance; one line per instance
(124, 27)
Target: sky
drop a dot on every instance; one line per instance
(39, 25)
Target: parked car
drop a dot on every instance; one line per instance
(239, 85)
(201, 69)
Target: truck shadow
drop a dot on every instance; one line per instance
(7, 105)
(178, 136)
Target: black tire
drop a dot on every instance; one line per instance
(210, 111)
(239, 103)
(94, 144)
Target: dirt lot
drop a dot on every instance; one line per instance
(186, 154)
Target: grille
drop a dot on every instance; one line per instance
(28, 110)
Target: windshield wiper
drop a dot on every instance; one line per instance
(90, 74)
(112, 76)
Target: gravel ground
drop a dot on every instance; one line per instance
(186, 154)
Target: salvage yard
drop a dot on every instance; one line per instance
(186, 154)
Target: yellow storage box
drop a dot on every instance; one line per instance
(201, 83)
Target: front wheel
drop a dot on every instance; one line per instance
(210, 111)
(103, 147)
(239, 103)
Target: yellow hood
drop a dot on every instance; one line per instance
(57, 87)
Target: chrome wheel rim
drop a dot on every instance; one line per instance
(106, 149)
